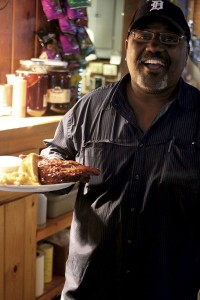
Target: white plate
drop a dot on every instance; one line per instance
(35, 188)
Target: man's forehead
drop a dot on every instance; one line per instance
(158, 22)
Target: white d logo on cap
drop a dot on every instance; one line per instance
(156, 5)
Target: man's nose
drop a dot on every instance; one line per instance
(155, 43)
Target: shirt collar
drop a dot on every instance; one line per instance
(184, 93)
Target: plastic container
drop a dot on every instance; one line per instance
(9, 164)
(60, 204)
(6, 91)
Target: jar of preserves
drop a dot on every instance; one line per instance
(37, 87)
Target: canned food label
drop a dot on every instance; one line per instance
(58, 95)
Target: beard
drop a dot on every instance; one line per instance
(151, 84)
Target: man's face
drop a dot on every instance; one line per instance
(154, 66)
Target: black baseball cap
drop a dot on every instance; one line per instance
(151, 10)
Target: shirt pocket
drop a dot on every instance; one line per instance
(111, 157)
(181, 165)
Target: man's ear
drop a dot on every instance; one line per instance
(126, 44)
(188, 48)
(187, 53)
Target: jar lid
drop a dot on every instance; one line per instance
(34, 66)
(27, 72)
(27, 62)
(66, 71)
(50, 62)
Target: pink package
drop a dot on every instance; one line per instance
(66, 25)
(76, 13)
(52, 9)
(69, 44)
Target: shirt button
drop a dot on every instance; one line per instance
(129, 241)
(132, 209)
(137, 176)
(141, 145)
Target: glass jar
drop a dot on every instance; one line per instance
(37, 87)
(59, 93)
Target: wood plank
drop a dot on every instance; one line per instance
(19, 20)
(41, 22)
(5, 40)
(24, 138)
(30, 246)
(53, 288)
(23, 31)
(130, 7)
(14, 249)
(2, 254)
(54, 225)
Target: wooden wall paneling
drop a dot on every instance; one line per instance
(14, 249)
(2, 255)
(190, 10)
(21, 140)
(196, 17)
(130, 7)
(41, 22)
(5, 40)
(30, 225)
(23, 31)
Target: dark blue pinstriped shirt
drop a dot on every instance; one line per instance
(135, 232)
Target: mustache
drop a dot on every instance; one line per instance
(165, 59)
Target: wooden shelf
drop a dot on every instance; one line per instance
(54, 225)
(53, 288)
(25, 136)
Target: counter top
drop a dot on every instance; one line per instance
(24, 134)
(13, 123)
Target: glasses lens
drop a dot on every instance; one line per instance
(142, 36)
(169, 38)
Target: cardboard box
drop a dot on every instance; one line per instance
(60, 256)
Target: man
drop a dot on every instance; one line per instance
(135, 232)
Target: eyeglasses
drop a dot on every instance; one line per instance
(166, 38)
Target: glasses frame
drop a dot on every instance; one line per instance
(156, 34)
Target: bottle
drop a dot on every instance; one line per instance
(19, 97)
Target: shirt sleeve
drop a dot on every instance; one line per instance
(61, 145)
